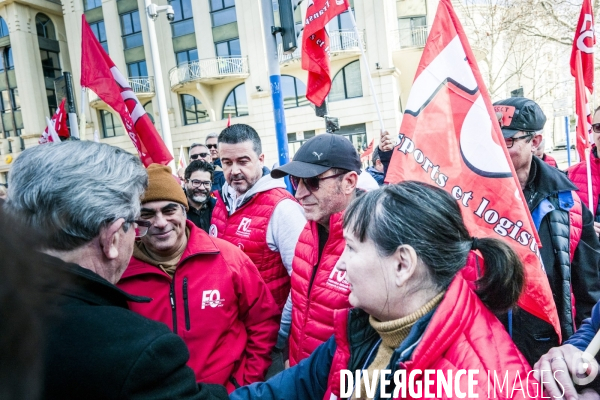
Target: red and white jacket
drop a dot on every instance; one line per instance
(318, 288)
(219, 305)
(247, 229)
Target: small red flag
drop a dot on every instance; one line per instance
(315, 46)
(99, 73)
(367, 153)
(450, 138)
(59, 123)
(229, 121)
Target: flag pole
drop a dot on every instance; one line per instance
(366, 64)
(583, 122)
(82, 114)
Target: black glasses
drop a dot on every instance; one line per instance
(312, 184)
(199, 155)
(141, 227)
(596, 128)
(211, 146)
(197, 183)
(511, 141)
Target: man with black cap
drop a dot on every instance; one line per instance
(324, 173)
(570, 249)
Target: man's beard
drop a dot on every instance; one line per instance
(199, 197)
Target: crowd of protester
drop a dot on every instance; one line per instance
(222, 284)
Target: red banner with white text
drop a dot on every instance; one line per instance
(450, 138)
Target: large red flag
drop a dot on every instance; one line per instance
(58, 123)
(582, 69)
(100, 74)
(450, 138)
(582, 109)
(584, 41)
(315, 46)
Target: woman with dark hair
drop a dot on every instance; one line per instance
(425, 293)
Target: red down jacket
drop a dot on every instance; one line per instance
(219, 305)
(318, 289)
(247, 229)
(578, 175)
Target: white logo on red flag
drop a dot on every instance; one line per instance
(450, 137)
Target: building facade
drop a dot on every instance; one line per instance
(214, 65)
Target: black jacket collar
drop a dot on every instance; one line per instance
(77, 283)
(548, 181)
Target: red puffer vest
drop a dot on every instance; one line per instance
(318, 289)
(247, 229)
(551, 161)
(578, 175)
(463, 334)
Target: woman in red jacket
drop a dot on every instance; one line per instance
(424, 309)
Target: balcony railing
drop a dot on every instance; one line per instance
(410, 37)
(339, 42)
(142, 84)
(211, 68)
(345, 41)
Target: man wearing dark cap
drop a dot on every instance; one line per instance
(570, 249)
(203, 288)
(324, 173)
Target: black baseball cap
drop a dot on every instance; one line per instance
(320, 154)
(518, 114)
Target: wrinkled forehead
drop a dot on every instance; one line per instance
(199, 149)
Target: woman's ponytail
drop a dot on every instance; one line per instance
(504, 277)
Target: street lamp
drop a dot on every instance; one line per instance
(152, 11)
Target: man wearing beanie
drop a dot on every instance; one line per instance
(203, 288)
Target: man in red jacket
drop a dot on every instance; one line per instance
(324, 173)
(203, 288)
(578, 174)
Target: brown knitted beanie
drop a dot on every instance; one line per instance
(162, 186)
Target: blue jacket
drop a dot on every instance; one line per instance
(586, 332)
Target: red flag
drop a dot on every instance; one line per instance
(450, 138)
(368, 151)
(315, 46)
(229, 121)
(582, 109)
(58, 123)
(100, 74)
(584, 41)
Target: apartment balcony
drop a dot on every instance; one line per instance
(342, 44)
(411, 38)
(209, 71)
(142, 86)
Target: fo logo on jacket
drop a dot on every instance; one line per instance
(243, 228)
(337, 279)
(211, 298)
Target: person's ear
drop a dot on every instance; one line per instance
(111, 237)
(349, 182)
(535, 142)
(261, 159)
(406, 261)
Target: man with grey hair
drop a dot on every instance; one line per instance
(202, 152)
(570, 249)
(86, 204)
(212, 144)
